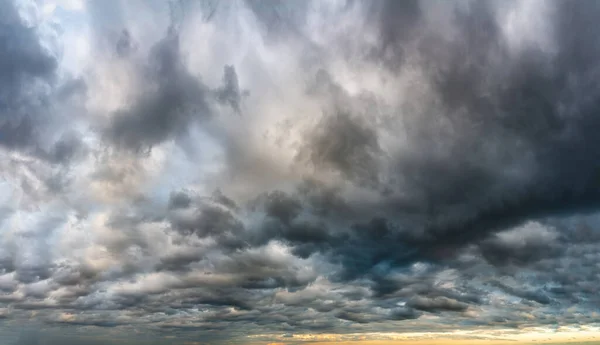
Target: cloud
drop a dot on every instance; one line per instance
(346, 145)
(216, 171)
(528, 243)
(436, 304)
(32, 91)
(24, 62)
(168, 107)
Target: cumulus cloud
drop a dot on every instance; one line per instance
(230, 169)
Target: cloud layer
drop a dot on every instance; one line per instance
(219, 170)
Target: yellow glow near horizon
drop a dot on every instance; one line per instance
(584, 334)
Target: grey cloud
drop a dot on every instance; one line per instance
(454, 185)
(324, 200)
(68, 147)
(7, 263)
(207, 220)
(25, 64)
(281, 206)
(583, 231)
(213, 217)
(23, 59)
(280, 19)
(31, 91)
(67, 275)
(35, 336)
(396, 210)
(124, 44)
(354, 317)
(174, 101)
(230, 92)
(398, 23)
(436, 304)
(536, 296)
(403, 314)
(166, 112)
(521, 246)
(29, 274)
(347, 145)
(521, 107)
(345, 140)
(179, 200)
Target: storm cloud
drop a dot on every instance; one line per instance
(246, 170)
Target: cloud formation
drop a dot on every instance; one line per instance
(228, 170)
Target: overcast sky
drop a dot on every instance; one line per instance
(248, 172)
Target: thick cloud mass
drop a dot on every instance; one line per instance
(246, 170)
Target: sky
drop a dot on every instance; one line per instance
(304, 171)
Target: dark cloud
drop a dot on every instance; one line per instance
(29, 274)
(33, 336)
(436, 304)
(230, 92)
(211, 217)
(279, 19)
(25, 68)
(23, 58)
(281, 206)
(33, 94)
(67, 148)
(347, 145)
(398, 24)
(124, 44)
(521, 246)
(345, 140)
(403, 314)
(433, 172)
(536, 296)
(489, 152)
(179, 200)
(175, 100)
(354, 317)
